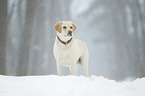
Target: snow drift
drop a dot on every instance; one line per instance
(69, 86)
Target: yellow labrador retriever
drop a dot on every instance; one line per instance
(69, 51)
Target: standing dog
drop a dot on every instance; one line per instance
(69, 51)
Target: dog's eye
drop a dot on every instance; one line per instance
(64, 27)
(70, 27)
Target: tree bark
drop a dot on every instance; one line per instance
(3, 34)
(25, 39)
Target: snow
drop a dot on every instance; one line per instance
(69, 86)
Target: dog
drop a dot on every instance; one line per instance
(69, 51)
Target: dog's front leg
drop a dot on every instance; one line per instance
(59, 69)
(73, 69)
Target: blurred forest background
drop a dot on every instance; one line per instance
(114, 31)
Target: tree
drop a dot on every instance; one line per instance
(3, 35)
(25, 38)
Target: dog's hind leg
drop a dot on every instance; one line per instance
(85, 67)
(84, 64)
(59, 69)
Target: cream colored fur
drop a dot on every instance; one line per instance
(72, 53)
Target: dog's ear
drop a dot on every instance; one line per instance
(74, 27)
(58, 27)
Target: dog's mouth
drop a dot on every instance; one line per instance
(68, 35)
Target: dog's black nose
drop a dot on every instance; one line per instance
(70, 32)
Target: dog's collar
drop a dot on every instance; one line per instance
(65, 43)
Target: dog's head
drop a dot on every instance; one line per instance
(65, 28)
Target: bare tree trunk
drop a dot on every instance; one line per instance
(25, 39)
(3, 32)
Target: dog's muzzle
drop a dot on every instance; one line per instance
(69, 33)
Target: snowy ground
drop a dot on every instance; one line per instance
(69, 86)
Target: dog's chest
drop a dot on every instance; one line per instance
(66, 57)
